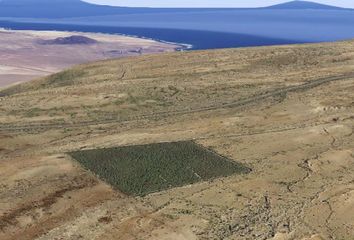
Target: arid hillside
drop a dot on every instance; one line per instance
(286, 113)
(26, 55)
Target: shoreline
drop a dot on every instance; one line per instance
(183, 46)
(32, 60)
(186, 39)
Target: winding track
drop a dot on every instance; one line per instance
(234, 104)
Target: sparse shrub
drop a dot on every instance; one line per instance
(64, 78)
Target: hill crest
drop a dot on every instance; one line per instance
(297, 5)
(78, 8)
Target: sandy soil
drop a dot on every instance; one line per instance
(286, 112)
(23, 58)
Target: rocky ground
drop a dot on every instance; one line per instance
(286, 112)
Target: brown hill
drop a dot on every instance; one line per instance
(75, 39)
(285, 112)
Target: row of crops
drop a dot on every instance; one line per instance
(143, 169)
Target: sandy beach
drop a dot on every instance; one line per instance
(24, 56)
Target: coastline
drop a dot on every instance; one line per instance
(24, 58)
(182, 46)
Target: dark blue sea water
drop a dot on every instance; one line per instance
(204, 28)
(198, 39)
(210, 29)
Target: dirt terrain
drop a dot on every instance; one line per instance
(285, 112)
(26, 55)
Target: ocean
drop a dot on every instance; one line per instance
(210, 30)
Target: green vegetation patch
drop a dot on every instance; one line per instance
(143, 169)
(64, 78)
(61, 79)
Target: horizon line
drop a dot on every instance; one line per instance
(219, 7)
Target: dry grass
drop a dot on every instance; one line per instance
(25, 57)
(287, 112)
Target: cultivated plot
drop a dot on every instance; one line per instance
(143, 169)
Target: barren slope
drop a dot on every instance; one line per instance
(26, 55)
(286, 112)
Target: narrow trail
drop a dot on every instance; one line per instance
(234, 104)
(21, 153)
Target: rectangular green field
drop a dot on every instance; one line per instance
(143, 169)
